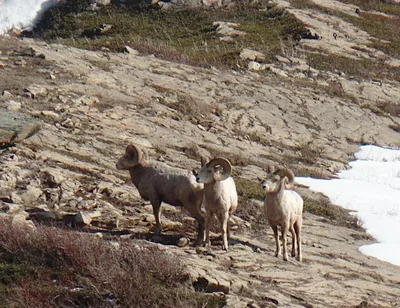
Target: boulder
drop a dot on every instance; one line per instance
(252, 55)
(15, 127)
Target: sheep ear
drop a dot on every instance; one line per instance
(260, 179)
(135, 153)
(270, 169)
(203, 160)
(131, 150)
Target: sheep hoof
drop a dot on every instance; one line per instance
(299, 258)
(285, 258)
(158, 230)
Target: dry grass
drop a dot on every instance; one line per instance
(390, 107)
(57, 268)
(310, 153)
(185, 35)
(395, 127)
(383, 28)
(334, 213)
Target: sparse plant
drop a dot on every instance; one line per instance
(53, 267)
(186, 35)
(390, 107)
(310, 152)
(395, 127)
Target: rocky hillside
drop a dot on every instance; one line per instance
(67, 114)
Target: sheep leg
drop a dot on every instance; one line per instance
(276, 236)
(284, 242)
(223, 218)
(228, 228)
(294, 239)
(297, 228)
(157, 215)
(209, 216)
(196, 214)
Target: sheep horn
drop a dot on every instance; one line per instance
(136, 153)
(286, 173)
(226, 166)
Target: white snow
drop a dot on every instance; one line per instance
(371, 188)
(21, 14)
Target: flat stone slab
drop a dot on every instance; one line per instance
(15, 127)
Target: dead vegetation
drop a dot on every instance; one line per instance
(52, 267)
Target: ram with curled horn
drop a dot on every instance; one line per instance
(220, 195)
(157, 182)
(283, 208)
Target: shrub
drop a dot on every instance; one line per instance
(54, 267)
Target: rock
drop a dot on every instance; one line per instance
(6, 137)
(30, 52)
(235, 302)
(255, 66)
(14, 106)
(8, 182)
(20, 62)
(104, 28)
(248, 54)
(15, 198)
(27, 131)
(42, 215)
(131, 51)
(278, 72)
(16, 126)
(101, 2)
(227, 29)
(10, 208)
(87, 101)
(6, 94)
(52, 177)
(85, 218)
(31, 195)
(209, 284)
(51, 114)
(35, 92)
(19, 220)
(183, 241)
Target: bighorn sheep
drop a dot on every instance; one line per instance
(220, 196)
(158, 182)
(283, 207)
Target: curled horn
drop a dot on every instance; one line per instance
(136, 153)
(226, 166)
(285, 172)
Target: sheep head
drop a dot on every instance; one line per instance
(277, 177)
(218, 169)
(134, 155)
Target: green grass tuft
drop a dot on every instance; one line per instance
(187, 35)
